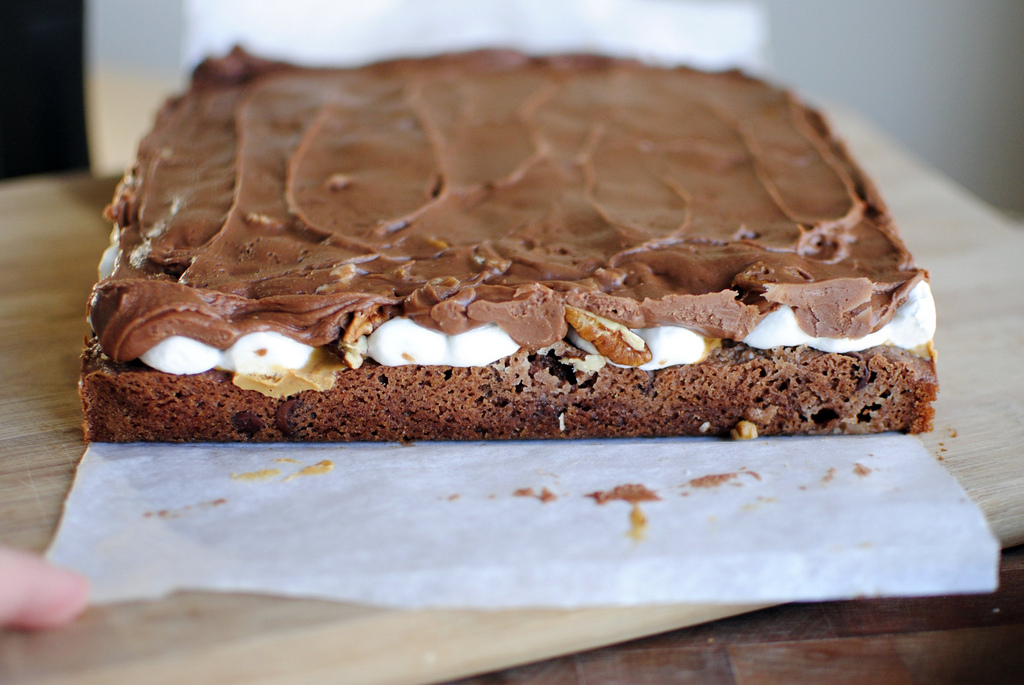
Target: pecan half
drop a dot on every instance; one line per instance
(615, 341)
(353, 345)
(363, 323)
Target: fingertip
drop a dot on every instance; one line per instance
(35, 594)
(62, 596)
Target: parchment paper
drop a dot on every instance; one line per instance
(517, 524)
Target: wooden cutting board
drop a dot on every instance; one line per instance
(51, 237)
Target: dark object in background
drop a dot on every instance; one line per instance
(42, 102)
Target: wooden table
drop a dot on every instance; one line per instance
(51, 237)
(938, 640)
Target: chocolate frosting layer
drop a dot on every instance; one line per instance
(491, 187)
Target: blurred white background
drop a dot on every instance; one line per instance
(943, 77)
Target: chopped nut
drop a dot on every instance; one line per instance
(446, 282)
(355, 352)
(615, 341)
(338, 181)
(744, 430)
(588, 364)
(705, 427)
(255, 219)
(345, 272)
(364, 322)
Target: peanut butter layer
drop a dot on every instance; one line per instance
(491, 187)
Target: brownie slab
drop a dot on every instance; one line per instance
(556, 202)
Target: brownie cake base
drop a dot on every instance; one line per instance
(526, 395)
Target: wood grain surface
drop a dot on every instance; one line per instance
(952, 640)
(51, 236)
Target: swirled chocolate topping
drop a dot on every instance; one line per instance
(491, 187)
